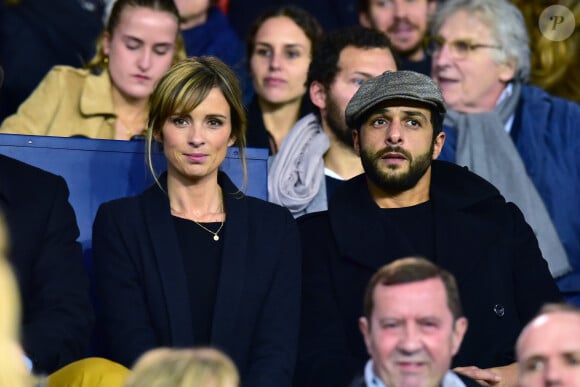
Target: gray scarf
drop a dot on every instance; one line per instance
(296, 172)
(487, 149)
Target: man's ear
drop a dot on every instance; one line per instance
(364, 20)
(318, 94)
(365, 329)
(438, 145)
(507, 70)
(459, 329)
(356, 141)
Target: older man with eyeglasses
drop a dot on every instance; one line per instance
(517, 136)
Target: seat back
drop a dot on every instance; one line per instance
(97, 171)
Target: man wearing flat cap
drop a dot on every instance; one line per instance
(409, 204)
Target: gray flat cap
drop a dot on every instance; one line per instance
(405, 85)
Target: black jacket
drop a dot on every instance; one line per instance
(481, 239)
(142, 293)
(57, 315)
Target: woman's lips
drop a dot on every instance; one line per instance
(270, 81)
(196, 157)
(141, 77)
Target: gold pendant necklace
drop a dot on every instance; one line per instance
(216, 237)
(215, 234)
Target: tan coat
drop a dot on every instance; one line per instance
(68, 102)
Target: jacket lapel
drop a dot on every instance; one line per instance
(169, 263)
(461, 235)
(234, 264)
(454, 231)
(96, 96)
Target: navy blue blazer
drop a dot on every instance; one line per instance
(57, 314)
(142, 294)
(482, 240)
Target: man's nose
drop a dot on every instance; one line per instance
(394, 134)
(400, 10)
(442, 56)
(553, 374)
(410, 340)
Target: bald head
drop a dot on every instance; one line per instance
(548, 349)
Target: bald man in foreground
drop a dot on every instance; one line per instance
(548, 349)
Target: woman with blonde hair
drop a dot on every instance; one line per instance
(165, 367)
(192, 261)
(109, 98)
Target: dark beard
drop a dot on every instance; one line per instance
(336, 122)
(406, 54)
(401, 182)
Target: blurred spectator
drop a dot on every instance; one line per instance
(223, 5)
(548, 348)
(207, 31)
(331, 14)
(280, 48)
(406, 24)
(89, 372)
(555, 64)
(39, 34)
(13, 372)
(515, 135)
(318, 154)
(412, 318)
(57, 315)
(203, 367)
(109, 99)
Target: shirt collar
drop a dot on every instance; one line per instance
(96, 97)
(506, 93)
(372, 380)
